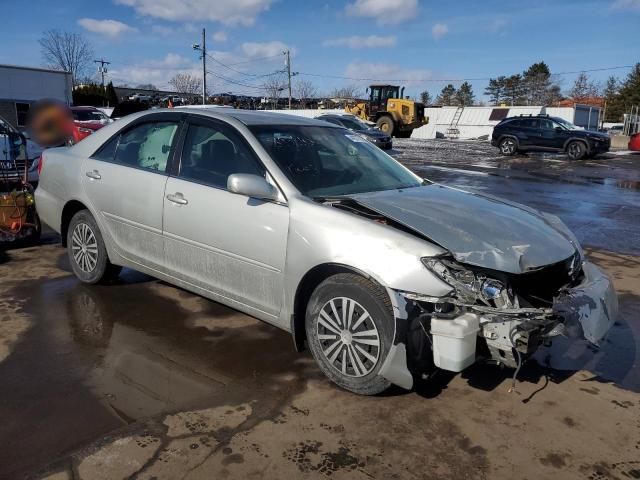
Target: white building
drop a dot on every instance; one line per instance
(474, 122)
(22, 86)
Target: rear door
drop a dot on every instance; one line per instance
(231, 245)
(124, 182)
(529, 132)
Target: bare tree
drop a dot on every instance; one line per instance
(274, 86)
(350, 92)
(186, 84)
(584, 88)
(69, 52)
(305, 90)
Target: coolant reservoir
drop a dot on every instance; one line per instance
(454, 341)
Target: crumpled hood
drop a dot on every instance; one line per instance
(477, 229)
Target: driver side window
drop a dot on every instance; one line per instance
(213, 152)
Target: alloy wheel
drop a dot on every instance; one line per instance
(84, 247)
(508, 146)
(348, 337)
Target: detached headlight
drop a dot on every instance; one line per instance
(469, 286)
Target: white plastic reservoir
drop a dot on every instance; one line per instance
(454, 341)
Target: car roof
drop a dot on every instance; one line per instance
(254, 117)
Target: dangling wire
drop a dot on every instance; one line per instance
(518, 361)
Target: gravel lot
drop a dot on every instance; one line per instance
(143, 380)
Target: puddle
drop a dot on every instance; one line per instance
(99, 357)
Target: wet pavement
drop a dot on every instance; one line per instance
(139, 379)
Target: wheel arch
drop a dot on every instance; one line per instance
(509, 135)
(306, 287)
(69, 210)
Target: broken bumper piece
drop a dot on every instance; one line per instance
(591, 308)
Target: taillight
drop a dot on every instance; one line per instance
(40, 163)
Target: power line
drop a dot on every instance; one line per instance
(240, 72)
(452, 80)
(235, 82)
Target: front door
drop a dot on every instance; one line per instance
(230, 245)
(549, 136)
(125, 182)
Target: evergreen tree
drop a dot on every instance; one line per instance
(628, 95)
(513, 90)
(447, 96)
(112, 96)
(464, 95)
(495, 90)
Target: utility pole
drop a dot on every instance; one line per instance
(204, 67)
(202, 47)
(102, 68)
(289, 74)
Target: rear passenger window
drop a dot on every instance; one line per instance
(212, 153)
(146, 146)
(530, 123)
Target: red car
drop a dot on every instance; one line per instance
(87, 120)
(634, 142)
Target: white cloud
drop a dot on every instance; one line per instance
(384, 11)
(372, 41)
(157, 72)
(626, 5)
(439, 30)
(229, 12)
(267, 49)
(220, 36)
(386, 72)
(110, 28)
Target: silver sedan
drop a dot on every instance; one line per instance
(383, 275)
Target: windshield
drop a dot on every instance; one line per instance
(327, 162)
(353, 124)
(566, 124)
(89, 116)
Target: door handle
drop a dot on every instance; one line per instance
(177, 198)
(94, 175)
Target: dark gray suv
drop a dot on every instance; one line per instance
(545, 133)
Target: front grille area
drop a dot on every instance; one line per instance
(540, 287)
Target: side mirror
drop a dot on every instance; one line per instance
(251, 186)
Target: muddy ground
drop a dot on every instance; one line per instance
(143, 380)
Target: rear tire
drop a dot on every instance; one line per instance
(576, 150)
(87, 252)
(386, 125)
(350, 326)
(508, 147)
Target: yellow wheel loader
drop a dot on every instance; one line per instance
(392, 114)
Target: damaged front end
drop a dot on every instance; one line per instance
(505, 317)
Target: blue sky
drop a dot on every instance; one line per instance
(420, 42)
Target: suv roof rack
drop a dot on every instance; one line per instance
(534, 115)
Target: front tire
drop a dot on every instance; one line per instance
(386, 125)
(508, 146)
(576, 150)
(350, 327)
(87, 252)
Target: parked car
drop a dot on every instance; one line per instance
(545, 133)
(140, 97)
(88, 119)
(615, 130)
(385, 276)
(357, 126)
(634, 142)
